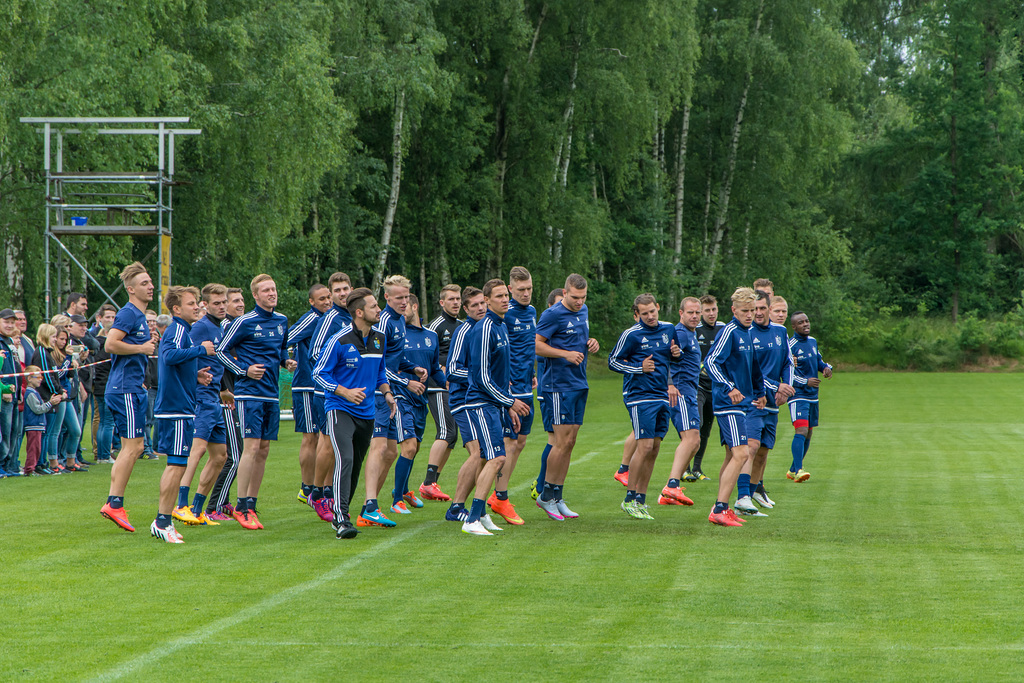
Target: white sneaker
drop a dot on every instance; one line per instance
(745, 506)
(551, 507)
(169, 534)
(475, 528)
(564, 510)
(489, 524)
(762, 500)
(771, 503)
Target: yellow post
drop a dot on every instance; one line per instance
(165, 270)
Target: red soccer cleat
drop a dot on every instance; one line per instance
(434, 492)
(724, 519)
(676, 494)
(622, 478)
(118, 516)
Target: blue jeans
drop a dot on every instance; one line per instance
(105, 434)
(7, 410)
(63, 417)
(17, 433)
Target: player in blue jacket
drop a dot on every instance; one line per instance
(682, 397)
(175, 410)
(384, 445)
(351, 368)
(737, 389)
(803, 407)
(129, 343)
(308, 413)
(563, 341)
(644, 355)
(536, 488)
(210, 432)
(255, 349)
(771, 349)
(421, 349)
(447, 433)
(492, 407)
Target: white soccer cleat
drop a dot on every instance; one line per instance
(564, 510)
(763, 500)
(551, 507)
(489, 524)
(745, 506)
(168, 535)
(475, 528)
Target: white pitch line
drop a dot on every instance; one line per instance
(133, 665)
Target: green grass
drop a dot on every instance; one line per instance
(900, 559)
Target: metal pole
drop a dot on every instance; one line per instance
(87, 274)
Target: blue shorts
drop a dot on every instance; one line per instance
(391, 428)
(410, 419)
(685, 415)
(489, 425)
(258, 419)
(174, 438)
(129, 411)
(465, 427)
(545, 413)
(308, 411)
(802, 409)
(734, 428)
(761, 426)
(650, 420)
(210, 423)
(567, 407)
(525, 421)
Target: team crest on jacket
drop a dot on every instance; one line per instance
(428, 342)
(778, 340)
(376, 343)
(664, 338)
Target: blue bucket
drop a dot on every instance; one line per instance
(79, 220)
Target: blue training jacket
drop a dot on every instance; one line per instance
(627, 358)
(421, 349)
(521, 326)
(458, 366)
(259, 336)
(808, 364)
(732, 365)
(686, 369)
(177, 363)
(209, 329)
(392, 324)
(300, 335)
(327, 325)
(771, 349)
(490, 368)
(348, 360)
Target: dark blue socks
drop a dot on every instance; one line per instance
(163, 521)
(543, 466)
(197, 504)
(403, 466)
(183, 496)
(743, 485)
(477, 511)
(799, 448)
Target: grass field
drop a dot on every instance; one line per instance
(900, 559)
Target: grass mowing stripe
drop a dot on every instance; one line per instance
(158, 653)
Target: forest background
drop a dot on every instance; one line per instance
(866, 155)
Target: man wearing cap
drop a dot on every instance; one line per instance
(10, 417)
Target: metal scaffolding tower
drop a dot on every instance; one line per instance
(110, 203)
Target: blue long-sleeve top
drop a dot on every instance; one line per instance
(392, 324)
(327, 325)
(521, 325)
(209, 329)
(490, 368)
(128, 373)
(349, 360)
(732, 365)
(177, 363)
(258, 337)
(771, 349)
(300, 335)
(686, 368)
(421, 349)
(808, 364)
(627, 358)
(458, 366)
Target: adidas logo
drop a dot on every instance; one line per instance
(260, 328)
(569, 325)
(756, 340)
(643, 339)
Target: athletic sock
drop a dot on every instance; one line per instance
(251, 504)
(743, 485)
(477, 511)
(306, 490)
(454, 508)
(432, 474)
(183, 496)
(556, 491)
(116, 502)
(673, 483)
(197, 504)
(501, 495)
(798, 449)
(328, 492)
(630, 496)
(163, 521)
(548, 493)
(240, 505)
(641, 498)
(316, 493)
(720, 507)
(543, 466)
(403, 466)
(370, 505)
(623, 468)
(760, 487)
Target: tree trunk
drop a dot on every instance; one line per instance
(424, 297)
(396, 181)
(723, 202)
(442, 255)
(680, 188)
(707, 201)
